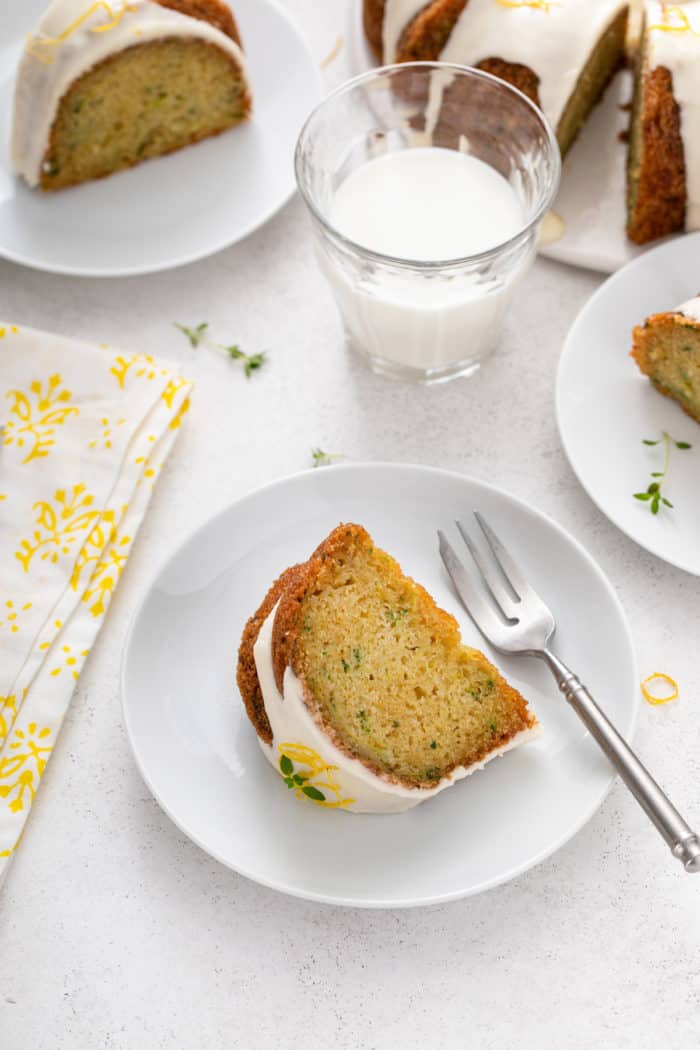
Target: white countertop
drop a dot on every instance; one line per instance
(116, 932)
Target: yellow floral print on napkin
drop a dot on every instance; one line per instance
(35, 415)
(84, 433)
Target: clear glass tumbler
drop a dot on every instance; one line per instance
(418, 320)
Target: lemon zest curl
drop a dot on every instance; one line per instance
(656, 679)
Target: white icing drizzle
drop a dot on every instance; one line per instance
(554, 40)
(291, 722)
(690, 309)
(397, 15)
(40, 85)
(678, 50)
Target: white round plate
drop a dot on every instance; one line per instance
(171, 210)
(606, 408)
(199, 754)
(591, 199)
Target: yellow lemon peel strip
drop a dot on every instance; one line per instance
(536, 5)
(41, 48)
(654, 679)
(301, 755)
(333, 53)
(682, 25)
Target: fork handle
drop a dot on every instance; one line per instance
(684, 843)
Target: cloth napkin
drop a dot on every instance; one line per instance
(85, 432)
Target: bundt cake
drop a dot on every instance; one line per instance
(103, 86)
(667, 349)
(663, 167)
(560, 54)
(359, 688)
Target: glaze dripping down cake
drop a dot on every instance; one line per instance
(104, 86)
(663, 170)
(667, 349)
(561, 55)
(359, 688)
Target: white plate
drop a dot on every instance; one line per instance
(175, 209)
(198, 752)
(591, 199)
(606, 407)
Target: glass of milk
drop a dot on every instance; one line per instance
(426, 183)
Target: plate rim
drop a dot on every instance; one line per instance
(646, 259)
(18, 259)
(627, 731)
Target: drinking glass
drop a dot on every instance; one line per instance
(426, 321)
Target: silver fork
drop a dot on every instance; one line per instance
(518, 621)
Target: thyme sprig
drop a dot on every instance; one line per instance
(195, 335)
(654, 495)
(199, 334)
(319, 458)
(251, 362)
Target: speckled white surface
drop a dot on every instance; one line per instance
(115, 932)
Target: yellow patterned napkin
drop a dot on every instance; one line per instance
(85, 432)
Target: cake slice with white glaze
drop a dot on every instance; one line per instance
(360, 689)
(667, 349)
(104, 86)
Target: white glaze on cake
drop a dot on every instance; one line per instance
(292, 723)
(554, 40)
(397, 15)
(690, 309)
(677, 48)
(47, 70)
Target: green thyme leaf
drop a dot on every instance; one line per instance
(199, 334)
(311, 792)
(251, 362)
(319, 458)
(286, 765)
(653, 495)
(195, 335)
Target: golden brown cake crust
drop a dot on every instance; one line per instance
(373, 20)
(215, 12)
(663, 323)
(247, 675)
(288, 593)
(660, 204)
(426, 34)
(521, 77)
